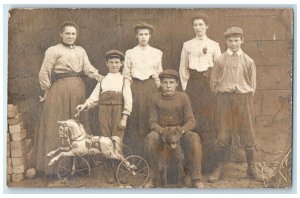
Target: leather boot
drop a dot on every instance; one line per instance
(251, 170)
(217, 172)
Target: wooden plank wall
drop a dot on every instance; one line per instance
(268, 40)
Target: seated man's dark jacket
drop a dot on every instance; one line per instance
(169, 111)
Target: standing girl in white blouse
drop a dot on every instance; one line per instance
(142, 66)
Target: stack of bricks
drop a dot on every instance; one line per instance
(17, 145)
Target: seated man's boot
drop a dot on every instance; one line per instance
(251, 170)
(216, 174)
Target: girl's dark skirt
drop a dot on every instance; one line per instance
(138, 122)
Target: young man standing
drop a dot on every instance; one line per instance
(233, 80)
(168, 109)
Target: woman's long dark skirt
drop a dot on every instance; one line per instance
(60, 104)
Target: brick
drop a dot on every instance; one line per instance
(18, 145)
(17, 177)
(17, 128)
(18, 153)
(8, 178)
(15, 120)
(19, 168)
(9, 170)
(18, 161)
(9, 163)
(12, 110)
(19, 136)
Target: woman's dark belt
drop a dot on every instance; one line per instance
(194, 74)
(64, 75)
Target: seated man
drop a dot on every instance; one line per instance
(171, 108)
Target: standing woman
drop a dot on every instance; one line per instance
(63, 88)
(196, 63)
(142, 66)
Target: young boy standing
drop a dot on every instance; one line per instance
(233, 79)
(114, 98)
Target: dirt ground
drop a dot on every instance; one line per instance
(234, 176)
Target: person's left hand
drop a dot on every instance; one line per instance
(157, 82)
(207, 73)
(122, 124)
(43, 98)
(98, 77)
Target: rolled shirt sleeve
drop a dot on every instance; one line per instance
(253, 75)
(93, 100)
(184, 67)
(158, 67)
(214, 76)
(47, 68)
(127, 66)
(127, 95)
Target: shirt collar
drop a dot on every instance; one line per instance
(201, 38)
(115, 74)
(68, 46)
(143, 48)
(230, 52)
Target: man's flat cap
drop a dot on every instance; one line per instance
(114, 53)
(143, 26)
(233, 31)
(169, 73)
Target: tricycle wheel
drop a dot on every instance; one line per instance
(134, 175)
(74, 171)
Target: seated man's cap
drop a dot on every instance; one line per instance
(233, 31)
(143, 26)
(114, 53)
(169, 73)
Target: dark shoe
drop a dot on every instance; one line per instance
(197, 184)
(252, 173)
(216, 174)
(123, 181)
(251, 170)
(110, 178)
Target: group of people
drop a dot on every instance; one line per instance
(140, 103)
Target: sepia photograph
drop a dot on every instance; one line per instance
(147, 98)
